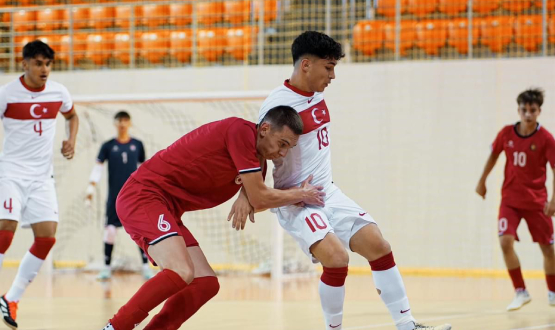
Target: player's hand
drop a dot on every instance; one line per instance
(549, 209)
(313, 195)
(240, 210)
(68, 149)
(481, 189)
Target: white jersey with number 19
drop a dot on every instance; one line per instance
(312, 154)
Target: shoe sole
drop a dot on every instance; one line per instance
(515, 309)
(9, 325)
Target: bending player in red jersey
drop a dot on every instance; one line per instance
(203, 169)
(28, 109)
(528, 147)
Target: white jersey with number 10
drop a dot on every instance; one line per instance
(312, 154)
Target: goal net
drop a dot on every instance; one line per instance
(159, 120)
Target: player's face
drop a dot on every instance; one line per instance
(122, 125)
(529, 112)
(273, 144)
(37, 70)
(320, 73)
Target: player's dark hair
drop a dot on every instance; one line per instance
(283, 115)
(317, 44)
(34, 48)
(122, 115)
(531, 96)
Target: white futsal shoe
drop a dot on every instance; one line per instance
(522, 297)
(418, 326)
(104, 274)
(108, 327)
(551, 297)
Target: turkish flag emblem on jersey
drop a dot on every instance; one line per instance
(315, 116)
(33, 111)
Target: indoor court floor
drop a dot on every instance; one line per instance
(75, 300)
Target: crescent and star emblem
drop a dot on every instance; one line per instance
(33, 113)
(314, 115)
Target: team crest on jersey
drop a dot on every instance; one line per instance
(511, 144)
(533, 147)
(115, 148)
(133, 148)
(238, 180)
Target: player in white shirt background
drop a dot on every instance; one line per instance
(28, 109)
(324, 233)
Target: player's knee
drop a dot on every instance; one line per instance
(336, 258)
(187, 274)
(507, 243)
(42, 246)
(110, 234)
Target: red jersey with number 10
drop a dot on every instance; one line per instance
(525, 170)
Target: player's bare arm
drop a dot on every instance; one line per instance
(490, 164)
(68, 146)
(549, 209)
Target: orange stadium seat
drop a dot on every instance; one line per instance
(122, 16)
(458, 34)
(421, 7)
(550, 4)
(53, 41)
(484, 6)
(79, 47)
(239, 42)
(181, 45)
(388, 7)
(210, 12)
(236, 12)
(407, 36)
(153, 45)
(368, 36)
(181, 14)
(270, 10)
(152, 16)
(49, 19)
(516, 6)
(211, 43)
(497, 32)
(24, 20)
(81, 18)
(551, 29)
(452, 7)
(102, 17)
(99, 47)
(122, 47)
(528, 32)
(431, 35)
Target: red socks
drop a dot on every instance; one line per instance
(181, 306)
(6, 238)
(334, 276)
(516, 277)
(384, 263)
(550, 282)
(159, 288)
(42, 247)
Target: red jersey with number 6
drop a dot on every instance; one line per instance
(525, 170)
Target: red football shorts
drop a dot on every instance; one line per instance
(539, 224)
(145, 215)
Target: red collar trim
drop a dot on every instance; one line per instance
(296, 90)
(31, 89)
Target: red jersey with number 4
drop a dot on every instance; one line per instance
(525, 170)
(201, 169)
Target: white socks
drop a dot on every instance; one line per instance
(392, 291)
(27, 272)
(332, 299)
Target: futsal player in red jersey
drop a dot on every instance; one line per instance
(528, 147)
(203, 169)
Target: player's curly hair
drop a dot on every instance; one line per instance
(317, 44)
(284, 115)
(531, 96)
(37, 47)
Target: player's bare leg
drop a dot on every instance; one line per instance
(180, 307)
(369, 243)
(522, 297)
(30, 265)
(549, 265)
(177, 273)
(8, 309)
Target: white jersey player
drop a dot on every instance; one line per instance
(324, 233)
(28, 109)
